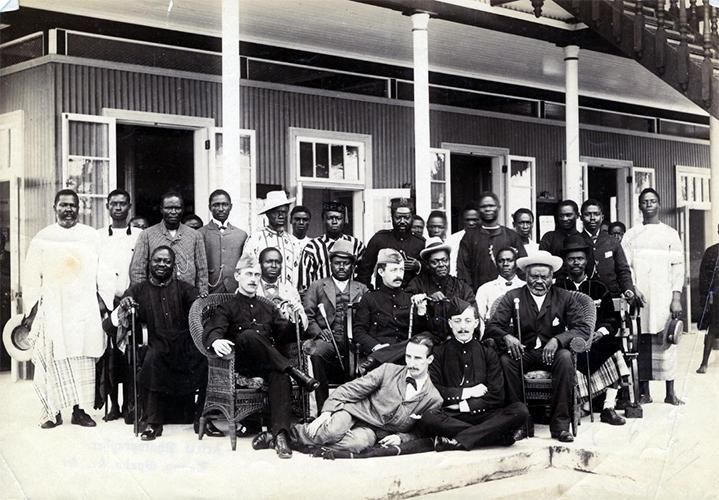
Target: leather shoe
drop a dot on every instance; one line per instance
(563, 436)
(282, 446)
(151, 432)
(262, 441)
(303, 379)
(442, 443)
(49, 424)
(505, 439)
(609, 416)
(79, 417)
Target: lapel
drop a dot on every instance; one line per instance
(354, 291)
(329, 287)
(546, 305)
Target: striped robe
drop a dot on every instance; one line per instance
(315, 261)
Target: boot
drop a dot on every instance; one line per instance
(304, 380)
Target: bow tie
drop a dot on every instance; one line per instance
(411, 381)
(508, 283)
(270, 286)
(222, 228)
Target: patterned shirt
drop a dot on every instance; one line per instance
(288, 245)
(315, 263)
(189, 248)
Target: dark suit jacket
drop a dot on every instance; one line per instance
(709, 283)
(323, 292)
(223, 251)
(564, 315)
(608, 263)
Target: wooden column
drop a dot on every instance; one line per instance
(230, 99)
(572, 174)
(422, 169)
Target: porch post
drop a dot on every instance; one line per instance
(572, 174)
(230, 98)
(423, 204)
(714, 182)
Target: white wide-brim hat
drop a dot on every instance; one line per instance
(275, 199)
(543, 258)
(434, 244)
(14, 337)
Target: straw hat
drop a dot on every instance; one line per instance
(541, 257)
(434, 244)
(15, 336)
(275, 199)
(343, 248)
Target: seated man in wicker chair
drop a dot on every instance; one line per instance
(605, 360)
(252, 325)
(549, 318)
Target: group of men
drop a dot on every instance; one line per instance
(444, 328)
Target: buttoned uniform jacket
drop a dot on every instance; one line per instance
(564, 315)
(323, 292)
(437, 311)
(457, 366)
(409, 244)
(383, 318)
(223, 249)
(608, 263)
(378, 399)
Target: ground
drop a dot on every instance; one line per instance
(672, 452)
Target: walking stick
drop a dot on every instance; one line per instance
(521, 361)
(321, 308)
(301, 366)
(411, 320)
(133, 341)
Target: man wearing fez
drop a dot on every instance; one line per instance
(315, 263)
(439, 287)
(188, 245)
(275, 235)
(399, 238)
(469, 377)
(335, 294)
(605, 362)
(251, 325)
(223, 243)
(507, 280)
(173, 370)
(381, 407)
(65, 279)
(550, 318)
(606, 260)
(476, 259)
(382, 322)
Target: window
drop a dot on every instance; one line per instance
(693, 187)
(334, 161)
(440, 188)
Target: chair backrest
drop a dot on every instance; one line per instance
(202, 310)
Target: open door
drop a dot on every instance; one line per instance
(641, 178)
(89, 162)
(13, 241)
(377, 209)
(683, 229)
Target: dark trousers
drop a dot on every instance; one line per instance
(325, 364)
(256, 356)
(562, 383)
(160, 408)
(475, 430)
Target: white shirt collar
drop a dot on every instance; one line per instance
(341, 285)
(218, 223)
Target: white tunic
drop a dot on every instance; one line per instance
(488, 293)
(656, 256)
(61, 271)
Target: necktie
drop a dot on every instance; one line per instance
(412, 382)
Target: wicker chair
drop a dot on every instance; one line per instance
(223, 396)
(538, 383)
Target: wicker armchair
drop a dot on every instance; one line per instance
(538, 383)
(223, 396)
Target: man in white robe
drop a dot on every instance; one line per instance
(61, 276)
(655, 254)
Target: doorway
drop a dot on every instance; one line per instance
(697, 245)
(313, 198)
(471, 174)
(152, 161)
(603, 188)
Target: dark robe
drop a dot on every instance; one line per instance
(407, 244)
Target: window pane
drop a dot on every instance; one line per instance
(438, 193)
(337, 167)
(322, 160)
(87, 176)
(89, 139)
(352, 163)
(438, 167)
(91, 210)
(306, 161)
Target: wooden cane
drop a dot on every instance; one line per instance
(323, 312)
(301, 366)
(133, 341)
(521, 361)
(411, 321)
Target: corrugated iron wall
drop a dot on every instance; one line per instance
(29, 91)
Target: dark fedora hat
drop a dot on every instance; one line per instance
(575, 243)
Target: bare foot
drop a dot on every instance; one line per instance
(702, 368)
(672, 399)
(645, 399)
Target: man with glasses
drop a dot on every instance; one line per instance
(656, 255)
(188, 245)
(439, 287)
(469, 377)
